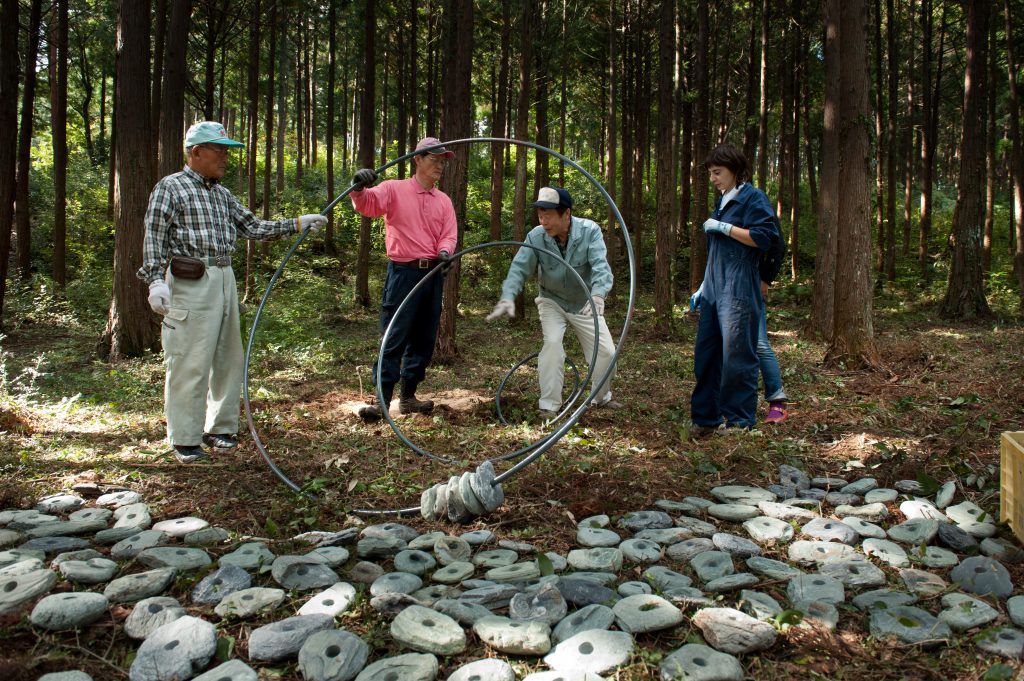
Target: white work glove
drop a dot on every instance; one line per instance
(159, 297)
(598, 305)
(712, 225)
(503, 308)
(313, 222)
(695, 298)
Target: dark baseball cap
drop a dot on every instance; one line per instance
(553, 197)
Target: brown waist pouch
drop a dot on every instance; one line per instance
(184, 267)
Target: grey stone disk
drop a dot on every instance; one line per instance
(131, 588)
(765, 530)
(283, 639)
(220, 583)
(857, 573)
(712, 565)
(465, 614)
(1005, 641)
(815, 588)
(546, 605)
(150, 614)
(908, 625)
(453, 573)
(514, 638)
(646, 612)
(136, 543)
(428, 631)
(395, 582)
(963, 612)
(696, 662)
(489, 494)
(759, 605)
(493, 558)
(685, 550)
(595, 650)
(741, 494)
(333, 655)
(118, 499)
(886, 551)
(248, 602)
(518, 572)
(177, 650)
(735, 546)
(916, 531)
(414, 562)
(400, 530)
(830, 530)
(178, 557)
(732, 631)
(883, 598)
(772, 569)
(408, 667)
(594, 616)
(600, 559)
(982, 575)
(922, 583)
(804, 552)
(69, 610)
(469, 497)
(732, 582)
(232, 670)
(302, 573)
(592, 537)
(489, 669)
(635, 521)
(452, 550)
(179, 527)
(92, 571)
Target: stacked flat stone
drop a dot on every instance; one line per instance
(463, 497)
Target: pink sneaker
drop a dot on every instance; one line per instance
(776, 412)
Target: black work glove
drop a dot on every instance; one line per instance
(446, 261)
(364, 178)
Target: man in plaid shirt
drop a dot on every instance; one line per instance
(191, 225)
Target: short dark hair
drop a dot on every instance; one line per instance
(728, 156)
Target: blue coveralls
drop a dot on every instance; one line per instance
(725, 360)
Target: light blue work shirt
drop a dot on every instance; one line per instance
(585, 251)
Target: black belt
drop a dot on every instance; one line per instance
(420, 264)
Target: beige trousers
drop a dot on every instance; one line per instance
(551, 360)
(203, 356)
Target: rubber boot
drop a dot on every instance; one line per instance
(408, 404)
(374, 412)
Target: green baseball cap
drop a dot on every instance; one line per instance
(209, 132)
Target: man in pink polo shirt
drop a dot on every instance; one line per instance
(420, 232)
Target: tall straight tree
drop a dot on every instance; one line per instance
(268, 117)
(819, 324)
(456, 123)
(612, 142)
(332, 27)
(21, 198)
(366, 155)
(498, 123)
(852, 332)
(59, 121)
(1016, 154)
(965, 295)
(890, 166)
(172, 102)
(131, 327)
(8, 133)
(522, 124)
(698, 242)
(666, 181)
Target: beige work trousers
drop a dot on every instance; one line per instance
(551, 360)
(203, 356)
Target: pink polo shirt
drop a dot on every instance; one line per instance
(418, 222)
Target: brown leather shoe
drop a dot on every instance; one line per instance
(410, 405)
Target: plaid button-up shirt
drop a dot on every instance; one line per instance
(191, 216)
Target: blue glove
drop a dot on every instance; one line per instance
(695, 298)
(712, 225)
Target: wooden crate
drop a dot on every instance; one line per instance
(1011, 487)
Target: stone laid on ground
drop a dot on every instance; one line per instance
(408, 667)
(865, 529)
(208, 536)
(916, 531)
(133, 515)
(600, 559)
(696, 662)
(741, 494)
(21, 568)
(685, 550)
(179, 527)
(118, 499)
(54, 545)
(736, 546)
(982, 576)
(332, 655)
(1015, 609)
(815, 552)
(666, 580)
(922, 508)
(248, 602)
(428, 631)
(72, 675)
(764, 529)
(817, 614)
(302, 573)
(92, 571)
(138, 542)
(711, 565)
(221, 582)
(1005, 641)
(922, 583)
(636, 521)
(546, 605)
(934, 556)
(732, 631)
(466, 614)
(72, 610)
(17, 590)
(962, 612)
(60, 503)
(150, 614)
(881, 496)
(592, 537)
(883, 598)
(771, 568)
(248, 556)
(646, 612)
(886, 551)
(283, 639)
(414, 562)
(759, 605)
(491, 669)
(333, 601)
(232, 670)
(732, 582)
(695, 526)
(735, 513)
(908, 625)
(177, 650)
(403, 532)
(131, 588)
(824, 529)
(859, 487)
(520, 572)
(514, 638)
(815, 588)
(872, 513)
(596, 651)
(858, 572)
(1002, 550)
(785, 512)
(178, 557)
(955, 538)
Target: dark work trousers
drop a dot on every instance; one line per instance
(725, 360)
(411, 342)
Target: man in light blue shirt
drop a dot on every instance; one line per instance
(562, 303)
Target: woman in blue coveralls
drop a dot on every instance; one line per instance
(725, 360)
